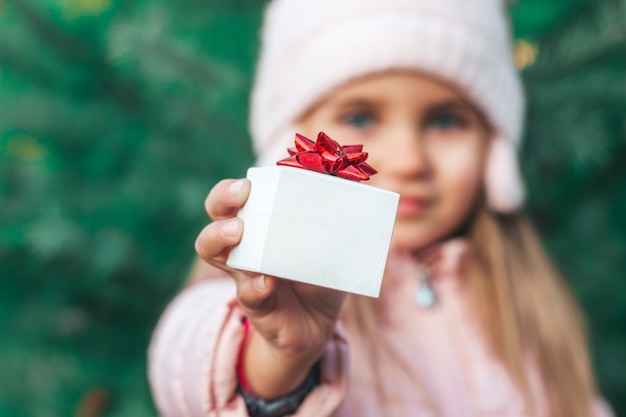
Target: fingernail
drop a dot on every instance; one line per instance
(231, 228)
(235, 187)
(260, 283)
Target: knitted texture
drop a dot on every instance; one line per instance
(311, 48)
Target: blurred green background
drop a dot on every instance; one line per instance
(118, 116)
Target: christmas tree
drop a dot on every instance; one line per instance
(118, 116)
(573, 157)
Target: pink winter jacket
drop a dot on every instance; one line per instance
(440, 364)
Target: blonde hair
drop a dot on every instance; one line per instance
(525, 308)
(532, 311)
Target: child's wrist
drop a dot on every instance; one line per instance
(268, 371)
(297, 350)
(290, 357)
(285, 405)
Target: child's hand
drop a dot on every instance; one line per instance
(292, 321)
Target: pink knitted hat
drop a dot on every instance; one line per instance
(310, 48)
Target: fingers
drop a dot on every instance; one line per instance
(226, 198)
(213, 245)
(255, 291)
(222, 204)
(216, 239)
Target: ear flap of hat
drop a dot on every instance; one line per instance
(504, 185)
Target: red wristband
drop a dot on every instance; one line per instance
(247, 327)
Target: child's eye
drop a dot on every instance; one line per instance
(446, 121)
(359, 119)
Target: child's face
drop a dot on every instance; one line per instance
(426, 141)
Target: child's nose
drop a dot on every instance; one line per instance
(409, 154)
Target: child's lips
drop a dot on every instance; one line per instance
(410, 206)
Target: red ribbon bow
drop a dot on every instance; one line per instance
(328, 157)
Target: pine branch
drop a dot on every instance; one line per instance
(22, 63)
(156, 51)
(584, 40)
(100, 75)
(66, 45)
(593, 85)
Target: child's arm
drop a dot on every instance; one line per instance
(292, 321)
(194, 351)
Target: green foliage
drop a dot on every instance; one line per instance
(115, 123)
(573, 154)
(118, 116)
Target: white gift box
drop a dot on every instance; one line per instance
(316, 228)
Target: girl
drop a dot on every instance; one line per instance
(472, 319)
